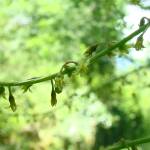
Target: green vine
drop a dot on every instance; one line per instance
(71, 67)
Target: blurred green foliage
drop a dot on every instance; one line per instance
(36, 38)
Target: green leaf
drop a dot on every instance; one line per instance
(90, 50)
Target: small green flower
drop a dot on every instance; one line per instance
(82, 68)
(123, 49)
(90, 50)
(53, 98)
(111, 54)
(139, 43)
(59, 83)
(142, 22)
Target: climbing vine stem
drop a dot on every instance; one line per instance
(68, 70)
(93, 59)
(101, 53)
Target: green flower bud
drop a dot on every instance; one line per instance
(12, 101)
(142, 22)
(111, 54)
(59, 83)
(124, 49)
(90, 50)
(53, 95)
(82, 68)
(53, 98)
(139, 43)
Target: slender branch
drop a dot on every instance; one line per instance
(66, 63)
(36, 80)
(125, 75)
(128, 143)
(93, 59)
(119, 44)
(29, 81)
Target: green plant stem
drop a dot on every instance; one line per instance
(29, 81)
(119, 44)
(93, 59)
(128, 143)
(34, 80)
(114, 79)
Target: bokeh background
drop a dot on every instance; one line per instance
(94, 110)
